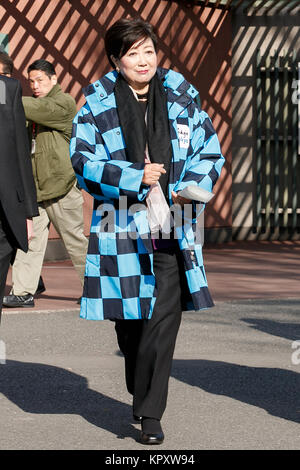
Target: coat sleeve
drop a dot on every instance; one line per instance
(97, 172)
(23, 155)
(50, 112)
(205, 160)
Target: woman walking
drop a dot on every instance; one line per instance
(141, 138)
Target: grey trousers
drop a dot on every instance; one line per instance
(66, 215)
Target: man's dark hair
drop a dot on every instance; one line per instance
(44, 66)
(6, 61)
(121, 36)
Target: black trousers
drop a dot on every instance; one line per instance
(7, 253)
(148, 345)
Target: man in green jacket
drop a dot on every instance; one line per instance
(49, 113)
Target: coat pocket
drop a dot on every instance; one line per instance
(20, 194)
(73, 199)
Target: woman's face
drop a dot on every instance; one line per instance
(139, 65)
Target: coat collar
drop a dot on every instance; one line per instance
(54, 90)
(178, 90)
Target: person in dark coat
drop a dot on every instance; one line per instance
(18, 202)
(6, 68)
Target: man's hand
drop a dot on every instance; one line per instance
(180, 200)
(152, 173)
(30, 232)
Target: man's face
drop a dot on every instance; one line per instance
(40, 83)
(2, 71)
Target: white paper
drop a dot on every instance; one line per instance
(196, 194)
(159, 216)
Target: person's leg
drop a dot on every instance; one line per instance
(27, 267)
(129, 335)
(157, 344)
(4, 267)
(6, 255)
(66, 214)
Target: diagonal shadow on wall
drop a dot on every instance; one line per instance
(192, 39)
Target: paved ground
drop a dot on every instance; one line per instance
(235, 378)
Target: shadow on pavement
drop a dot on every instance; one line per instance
(46, 389)
(282, 329)
(272, 389)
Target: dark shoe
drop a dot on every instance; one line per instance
(18, 301)
(152, 439)
(151, 431)
(41, 287)
(138, 419)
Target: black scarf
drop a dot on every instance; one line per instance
(135, 131)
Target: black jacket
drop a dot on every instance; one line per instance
(17, 187)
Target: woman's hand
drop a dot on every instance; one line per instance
(152, 173)
(180, 200)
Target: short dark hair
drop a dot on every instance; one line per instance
(6, 61)
(44, 66)
(124, 33)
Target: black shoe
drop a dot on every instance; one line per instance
(136, 418)
(41, 287)
(152, 439)
(151, 431)
(18, 300)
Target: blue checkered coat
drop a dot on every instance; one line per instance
(119, 279)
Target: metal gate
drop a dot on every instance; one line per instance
(277, 163)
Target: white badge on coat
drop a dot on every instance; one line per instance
(32, 146)
(183, 135)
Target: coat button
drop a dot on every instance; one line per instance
(193, 256)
